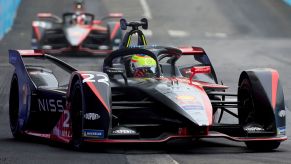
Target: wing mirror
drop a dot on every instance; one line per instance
(113, 15)
(44, 15)
(116, 71)
(199, 69)
(49, 16)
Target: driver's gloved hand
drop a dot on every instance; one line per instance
(139, 73)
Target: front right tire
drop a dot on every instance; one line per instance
(248, 116)
(76, 116)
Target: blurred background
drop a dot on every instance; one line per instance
(236, 34)
(8, 12)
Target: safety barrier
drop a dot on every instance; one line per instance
(288, 2)
(8, 9)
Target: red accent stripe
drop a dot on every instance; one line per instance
(99, 28)
(201, 83)
(211, 134)
(275, 79)
(96, 92)
(115, 29)
(191, 50)
(36, 134)
(37, 32)
(30, 52)
(135, 141)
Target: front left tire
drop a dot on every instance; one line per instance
(14, 108)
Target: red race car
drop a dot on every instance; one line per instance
(76, 30)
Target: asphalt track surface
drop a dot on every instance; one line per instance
(237, 35)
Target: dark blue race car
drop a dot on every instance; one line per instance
(181, 99)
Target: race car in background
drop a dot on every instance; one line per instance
(51, 99)
(76, 30)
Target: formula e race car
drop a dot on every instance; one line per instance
(77, 30)
(179, 99)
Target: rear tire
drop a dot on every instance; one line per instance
(76, 116)
(14, 108)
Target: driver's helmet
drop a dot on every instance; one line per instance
(79, 19)
(143, 66)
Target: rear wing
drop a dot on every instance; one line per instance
(198, 53)
(15, 58)
(192, 50)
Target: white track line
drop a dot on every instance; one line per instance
(216, 35)
(146, 9)
(177, 33)
(172, 159)
(148, 33)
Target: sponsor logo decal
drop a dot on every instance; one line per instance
(123, 131)
(91, 116)
(254, 129)
(282, 113)
(50, 105)
(282, 130)
(93, 133)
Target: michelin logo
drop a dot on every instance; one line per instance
(93, 133)
(282, 130)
